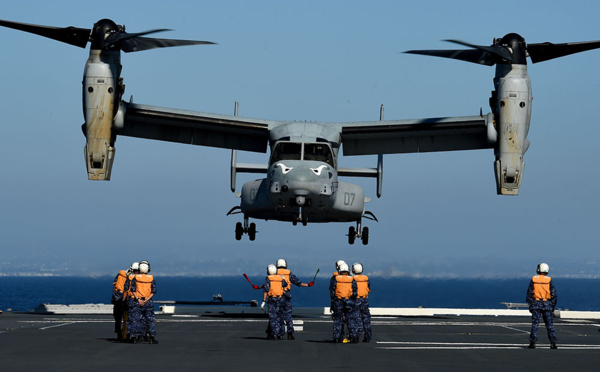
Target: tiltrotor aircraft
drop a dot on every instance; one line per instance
(302, 178)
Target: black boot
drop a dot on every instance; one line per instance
(291, 336)
(531, 345)
(553, 345)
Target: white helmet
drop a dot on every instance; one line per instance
(357, 268)
(343, 268)
(271, 270)
(281, 263)
(144, 268)
(135, 266)
(338, 263)
(543, 268)
(142, 262)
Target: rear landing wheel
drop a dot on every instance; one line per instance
(239, 231)
(252, 231)
(365, 236)
(351, 234)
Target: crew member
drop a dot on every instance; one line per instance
(331, 307)
(143, 288)
(119, 307)
(362, 301)
(273, 289)
(287, 305)
(541, 297)
(129, 318)
(343, 291)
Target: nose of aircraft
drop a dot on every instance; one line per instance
(302, 179)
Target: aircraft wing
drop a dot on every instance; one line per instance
(418, 135)
(195, 128)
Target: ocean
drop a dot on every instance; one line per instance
(25, 293)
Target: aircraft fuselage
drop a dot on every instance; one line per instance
(302, 186)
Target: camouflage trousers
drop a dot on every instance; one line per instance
(364, 317)
(536, 316)
(140, 319)
(345, 309)
(286, 315)
(276, 305)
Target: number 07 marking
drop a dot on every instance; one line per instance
(349, 198)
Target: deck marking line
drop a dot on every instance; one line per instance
(515, 329)
(57, 325)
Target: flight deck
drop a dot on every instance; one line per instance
(219, 341)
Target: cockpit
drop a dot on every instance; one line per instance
(320, 151)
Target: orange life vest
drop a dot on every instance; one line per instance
(362, 282)
(276, 286)
(343, 288)
(143, 288)
(119, 284)
(129, 292)
(541, 287)
(286, 275)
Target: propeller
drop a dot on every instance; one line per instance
(510, 49)
(106, 35)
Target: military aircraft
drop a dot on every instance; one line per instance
(302, 178)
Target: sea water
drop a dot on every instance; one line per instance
(25, 293)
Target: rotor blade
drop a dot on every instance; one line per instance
(119, 37)
(137, 44)
(545, 51)
(469, 55)
(501, 52)
(70, 35)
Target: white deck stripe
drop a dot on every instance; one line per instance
(516, 329)
(407, 345)
(57, 325)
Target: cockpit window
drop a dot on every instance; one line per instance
(287, 151)
(293, 151)
(318, 152)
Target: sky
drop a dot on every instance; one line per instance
(332, 61)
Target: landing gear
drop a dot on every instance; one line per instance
(355, 232)
(246, 228)
(252, 231)
(239, 231)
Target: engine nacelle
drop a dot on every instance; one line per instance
(101, 96)
(513, 114)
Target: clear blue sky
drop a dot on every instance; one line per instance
(309, 60)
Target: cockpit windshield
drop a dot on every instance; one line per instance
(318, 152)
(287, 151)
(293, 151)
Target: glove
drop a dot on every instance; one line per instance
(254, 286)
(311, 284)
(262, 306)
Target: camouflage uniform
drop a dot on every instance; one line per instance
(364, 317)
(275, 311)
(140, 319)
(542, 309)
(332, 308)
(286, 318)
(344, 309)
(133, 317)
